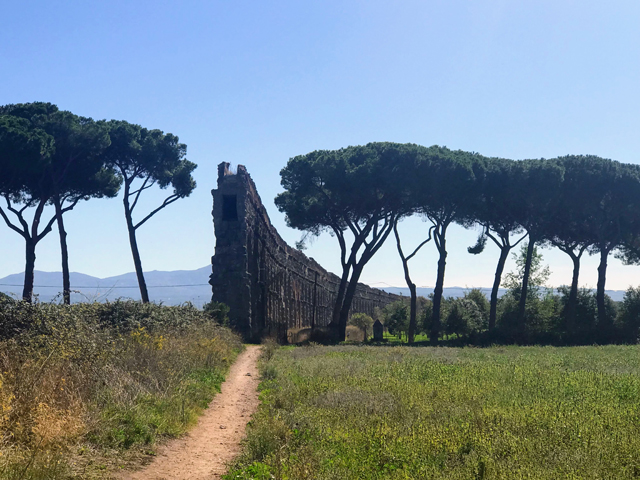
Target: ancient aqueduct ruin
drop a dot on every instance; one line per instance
(270, 287)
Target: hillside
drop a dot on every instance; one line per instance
(457, 292)
(171, 288)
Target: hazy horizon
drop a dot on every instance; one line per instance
(257, 83)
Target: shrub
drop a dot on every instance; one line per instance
(542, 317)
(480, 299)
(629, 316)
(464, 317)
(396, 317)
(363, 322)
(91, 376)
(426, 315)
(218, 311)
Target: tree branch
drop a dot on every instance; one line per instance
(139, 191)
(495, 240)
(520, 239)
(436, 235)
(421, 245)
(11, 225)
(167, 201)
(387, 227)
(582, 249)
(18, 213)
(46, 230)
(35, 223)
(343, 246)
(355, 228)
(71, 206)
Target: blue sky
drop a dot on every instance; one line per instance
(256, 83)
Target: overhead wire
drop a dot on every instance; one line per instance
(115, 286)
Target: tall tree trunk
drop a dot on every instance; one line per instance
(493, 310)
(66, 282)
(525, 281)
(412, 312)
(573, 293)
(437, 293)
(412, 291)
(348, 298)
(30, 265)
(410, 284)
(337, 307)
(144, 294)
(603, 322)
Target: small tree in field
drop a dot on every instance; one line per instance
(396, 318)
(542, 306)
(363, 321)
(629, 316)
(538, 272)
(464, 318)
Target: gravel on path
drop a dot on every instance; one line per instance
(214, 442)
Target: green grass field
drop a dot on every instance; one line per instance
(354, 412)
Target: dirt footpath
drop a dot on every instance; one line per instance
(215, 440)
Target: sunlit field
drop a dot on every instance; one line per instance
(354, 412)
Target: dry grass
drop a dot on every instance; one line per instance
(83, 383)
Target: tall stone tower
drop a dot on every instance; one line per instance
(229, 279)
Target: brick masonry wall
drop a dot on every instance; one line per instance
(271, 288)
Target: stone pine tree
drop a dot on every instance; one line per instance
(538, 183)
(71, 171)
(413, 294)
(495, 215)
(356, 194)
(147, 158)
(25, 153)
(414, 194)
(568, 224)
(448, 195)
(611, 194)
(76, 170)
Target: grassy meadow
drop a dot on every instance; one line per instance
(365, 412)
(88, 388)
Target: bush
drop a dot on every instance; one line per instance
(464, 317)
(363, 321)
(481, 301)
(218, 312)
(425, 317)
(87, 377)
(629, 316)
(542, 317)
(396, 317)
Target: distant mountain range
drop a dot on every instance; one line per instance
(457, 292)
(170, 288)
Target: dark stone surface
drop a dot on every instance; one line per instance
(378, 331)
(269, 287)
